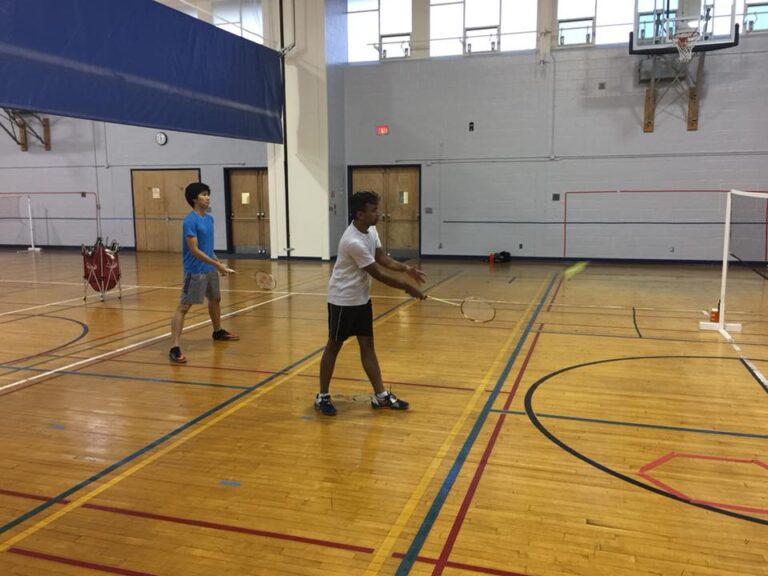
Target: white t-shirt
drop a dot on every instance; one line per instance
(350, 284)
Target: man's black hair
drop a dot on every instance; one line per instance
(193, 190)
(360, 199)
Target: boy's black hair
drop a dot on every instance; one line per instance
(360, 199)
(193, 190)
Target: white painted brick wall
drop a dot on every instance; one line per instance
(492, 189)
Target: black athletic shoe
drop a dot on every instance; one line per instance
(324, 404)
(388, 401)
(177, 356)
(224, 335)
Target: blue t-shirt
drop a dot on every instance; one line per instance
(202, 227)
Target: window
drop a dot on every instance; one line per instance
(656, 19)
(756, 17)
(446, 27)
(576, 22)
(378, 29)
(604, 21)
(240, 17)
(474, 26)
(614, 21)
(518, 24)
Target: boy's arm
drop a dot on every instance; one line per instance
(380, 273)
(388, 262)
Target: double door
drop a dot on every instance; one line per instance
(159, 208)
(248, 205)
(399, 190)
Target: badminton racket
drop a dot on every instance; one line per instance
(474, 309)
(263, 280)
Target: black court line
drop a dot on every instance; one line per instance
(533, 417)
(83, 333)
(634, 321)
(757, 376)
(638, 424)
(652, 338)
(754, 269)
(130, 378)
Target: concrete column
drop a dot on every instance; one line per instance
(420, 31)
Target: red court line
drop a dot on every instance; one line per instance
(554, 295)
(450, 541)
(201, 523)
(78, 563)
(658, 462)
(463, 566)
(644, 472)
(230, 528)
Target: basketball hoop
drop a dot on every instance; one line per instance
(685, 42)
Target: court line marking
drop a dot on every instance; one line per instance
(130, 378)
(200, 523)
(79, 563)
(260, 389)
(26, 381)
(636, 424)
(59, 303)
(439, 500)
(385, 550)
(466, 501)
(533, 417)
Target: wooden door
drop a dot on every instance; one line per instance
(402, 211)
(249, 215)
(160, 207)
(398, 187)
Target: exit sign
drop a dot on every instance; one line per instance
(382, 130)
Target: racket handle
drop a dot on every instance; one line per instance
(444, 301)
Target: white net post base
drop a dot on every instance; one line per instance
(728, 327)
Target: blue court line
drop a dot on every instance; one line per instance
(437, 504)
(637, 424)
(165, 438)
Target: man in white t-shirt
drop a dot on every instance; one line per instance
(350, 313)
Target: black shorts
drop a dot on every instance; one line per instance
(346, 321)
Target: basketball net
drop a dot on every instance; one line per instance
(685, 42)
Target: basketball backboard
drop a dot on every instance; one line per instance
(657, 22)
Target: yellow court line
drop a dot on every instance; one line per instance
(162, 452)
(385, 550)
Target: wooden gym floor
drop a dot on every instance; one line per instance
(590, 429)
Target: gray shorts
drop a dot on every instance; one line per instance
(197, 287)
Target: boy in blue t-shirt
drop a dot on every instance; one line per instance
(201, 270)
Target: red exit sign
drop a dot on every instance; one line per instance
(382, 130)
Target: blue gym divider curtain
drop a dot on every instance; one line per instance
(137, 62)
